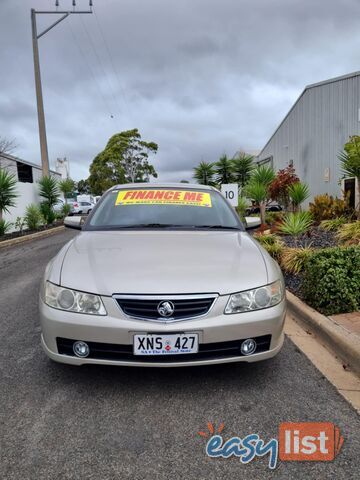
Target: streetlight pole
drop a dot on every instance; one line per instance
(38, 86)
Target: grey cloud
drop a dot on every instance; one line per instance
(199, 77)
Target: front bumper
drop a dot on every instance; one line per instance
(118, 329)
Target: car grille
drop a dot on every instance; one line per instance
(147, 308)
(207, 351)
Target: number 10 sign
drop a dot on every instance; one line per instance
(231, 193)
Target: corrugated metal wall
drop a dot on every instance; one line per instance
(314, 132)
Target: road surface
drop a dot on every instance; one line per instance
(63, 422)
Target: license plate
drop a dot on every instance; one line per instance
(172, 344)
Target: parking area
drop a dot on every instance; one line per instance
(66, 422)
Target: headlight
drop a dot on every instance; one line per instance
(256, 299)
(72, 300)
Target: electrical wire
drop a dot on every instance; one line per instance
(96, 83)
(111, 89)
(116, 73)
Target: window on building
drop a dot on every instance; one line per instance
(266, 161)
(24, 172)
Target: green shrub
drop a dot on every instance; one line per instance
(331, 280)
(66, 209)
(296, 223)
(272, 244)
(242, 206)
(33, 217)
(48, 213)
(19, 224)
(326, 207)
(273, 217)
(4, 227)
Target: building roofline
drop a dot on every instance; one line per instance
(26, 162)
(308, 87)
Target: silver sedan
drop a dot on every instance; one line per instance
(163, 276)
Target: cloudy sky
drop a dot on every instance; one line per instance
(199, 77)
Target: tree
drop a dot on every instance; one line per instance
(8, 192)
(83, 186)
(258, 187)
(224, 170)
(204, 173)
(242, 167)
(66, 187)
(350, 163)
(124, 159)
(6, 148)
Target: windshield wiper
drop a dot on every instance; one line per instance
(151, 225)
(218, 227)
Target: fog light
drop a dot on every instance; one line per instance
(248, 346)
(81, 349)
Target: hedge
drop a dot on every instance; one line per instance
(331, 280)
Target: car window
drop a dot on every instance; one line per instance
(156, 207)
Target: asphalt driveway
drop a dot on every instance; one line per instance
(63, 422)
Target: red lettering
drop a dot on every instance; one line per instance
(159, 195)
(199, 197)
(140, 195)
(168, 195)
(149, 195)
(129, 194)
(190, 196)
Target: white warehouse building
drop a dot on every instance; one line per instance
(27, 175)
(313, 133)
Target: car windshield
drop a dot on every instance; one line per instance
(163, 208)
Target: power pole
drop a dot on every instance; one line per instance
(38, 87)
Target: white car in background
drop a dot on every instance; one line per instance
(82, 207)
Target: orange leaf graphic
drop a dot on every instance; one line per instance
(221, 427)
(211, 428)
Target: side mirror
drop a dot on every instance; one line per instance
(75, 222)
(252, 222)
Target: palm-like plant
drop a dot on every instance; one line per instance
(296, 223)
(298, 193)
(258, 193)
(263, 174)
(204, 173)
(242, 166)
(224, 170)
(8, 193)
(258, 187)
(66, 187)
(49, 190)
(350, 163)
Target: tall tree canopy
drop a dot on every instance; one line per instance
(124, 159)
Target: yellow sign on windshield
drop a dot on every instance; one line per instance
(163, 197)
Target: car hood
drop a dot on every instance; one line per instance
(163, 262)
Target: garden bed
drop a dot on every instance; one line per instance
(13, 235)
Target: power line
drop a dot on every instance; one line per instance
(96, 83)
(111, 61)
(111, 89)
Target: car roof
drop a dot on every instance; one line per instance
(163, 185)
